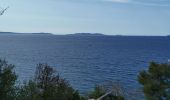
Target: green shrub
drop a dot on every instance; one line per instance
(28, 91)
(156, 81)
(115, 92)
(7, 81)
(52, 86)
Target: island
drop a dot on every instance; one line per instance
(15, 33)
(86, 34)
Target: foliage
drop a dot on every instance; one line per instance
(76, 96)
(28, 91)
(115, 94)
(156, 81)
(7, 81)
(49, 85)
(98, 91)
(52, 86)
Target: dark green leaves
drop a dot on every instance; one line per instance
(156, 81)
(7, 81)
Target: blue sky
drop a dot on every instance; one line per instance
(125, 17)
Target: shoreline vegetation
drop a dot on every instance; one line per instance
(47, 84)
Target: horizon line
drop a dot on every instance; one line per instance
(92, 33)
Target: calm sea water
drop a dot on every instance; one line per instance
(85, 61)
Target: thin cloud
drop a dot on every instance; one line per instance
(118, 1)
(162, 3)
(151, 4)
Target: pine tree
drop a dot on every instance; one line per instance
(156, 81)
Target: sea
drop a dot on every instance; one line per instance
(85, 61)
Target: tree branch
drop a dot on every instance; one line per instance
(3, 10)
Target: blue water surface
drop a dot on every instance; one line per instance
(85, 60)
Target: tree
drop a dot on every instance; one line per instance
(51, 85)
(7, 81)
(156, 81)
(47, 85)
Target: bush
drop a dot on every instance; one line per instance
(7, 81)
(76, 96)
(51, 85)
(98, 91)
(115, 92)
(47, 85)
(156, 81)
(28, 91)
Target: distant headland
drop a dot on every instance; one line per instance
(74, 34)
(86, 34)
(43, 33)
(15, 33)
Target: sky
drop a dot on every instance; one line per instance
(112, 17)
